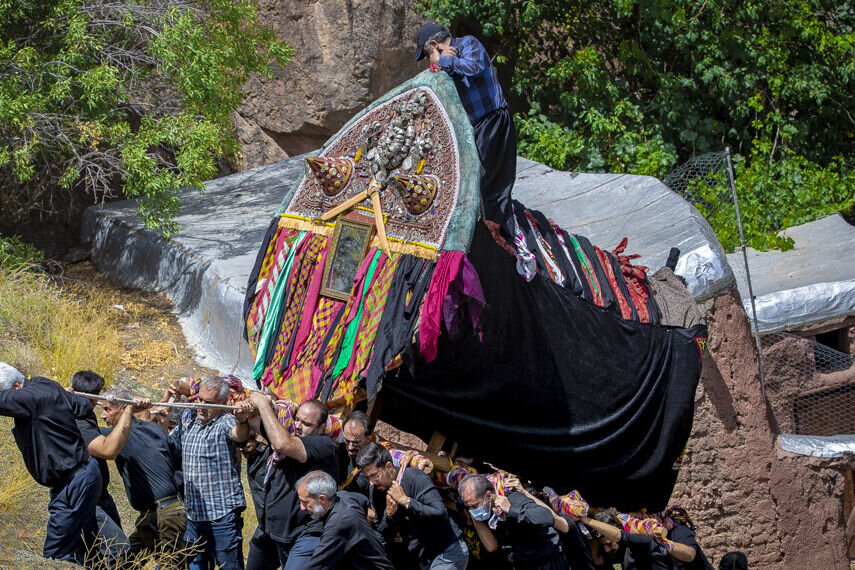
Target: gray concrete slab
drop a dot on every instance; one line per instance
(809, 285)
(204, 268)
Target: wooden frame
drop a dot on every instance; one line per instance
(341, 266)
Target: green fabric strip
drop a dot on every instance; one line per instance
(581, 255)
(353, 326)
(272, 315)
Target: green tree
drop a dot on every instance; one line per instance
(640, 85)
(130, 96)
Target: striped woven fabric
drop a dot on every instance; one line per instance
(591, 277)
(605, 263)
(570, 504)
(453, 477)
(648, 527)
(372, 312)
(551, 264)
(350, 311)
(299, 375)
(304, 265)
(271, 268)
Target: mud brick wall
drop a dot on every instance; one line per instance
(783, 510)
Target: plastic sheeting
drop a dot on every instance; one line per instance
(811, 284)
(804, 306)
(704, 270)
(827, 446)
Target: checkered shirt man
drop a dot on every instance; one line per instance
(475, 78)
(212, 486)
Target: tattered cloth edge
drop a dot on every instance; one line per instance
(296, 222)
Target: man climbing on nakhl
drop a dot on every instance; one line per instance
(467, 62)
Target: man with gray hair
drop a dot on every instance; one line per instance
(206, 441)
(55, 455)
(348, 540)
(520, 523)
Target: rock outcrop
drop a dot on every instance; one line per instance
(346, 54)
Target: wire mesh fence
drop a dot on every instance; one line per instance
(811, 386)
(703, 182)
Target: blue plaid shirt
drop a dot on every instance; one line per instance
(475, 78)
(212, 487)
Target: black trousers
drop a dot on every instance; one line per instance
(496, 140)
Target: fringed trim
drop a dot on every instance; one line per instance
(396, 245)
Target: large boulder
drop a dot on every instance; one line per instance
(346, 54)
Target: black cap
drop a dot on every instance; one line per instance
(423, 35)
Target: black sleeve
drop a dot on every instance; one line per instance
(17, 403)
(684, 535)
(425, 502)
(526, 511)
(332, 547)
(576, 547)
(88, 427)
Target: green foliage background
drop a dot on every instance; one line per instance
(130, 96)
(640, 86)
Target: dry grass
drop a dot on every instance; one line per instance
(53, 327)
(51, 331)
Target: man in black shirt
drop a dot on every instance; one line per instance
(687, 553)
(524, 525)
(347, 541)
(263, 554)
(55, 455)
(358, 431)
(145, 464)
(296, 534)
(631, 551)
(414, 510)
(112, 542)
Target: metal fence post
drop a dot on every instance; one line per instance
(730, 178)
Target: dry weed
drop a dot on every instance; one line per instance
(51, 333)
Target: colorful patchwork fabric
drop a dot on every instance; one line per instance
(372, 312)
(270, 329)
(571, 504)
(348, 346)
(311, 306)
(304, 266)
(454, 476)
(271, 269)
(551, 265)
(498, 481)
(299, 375)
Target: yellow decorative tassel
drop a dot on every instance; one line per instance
(358, 154)
(420, 166)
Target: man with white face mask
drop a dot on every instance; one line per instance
(524, 525)
(348, 541)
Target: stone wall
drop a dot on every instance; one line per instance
(346, 54)
(783, 510)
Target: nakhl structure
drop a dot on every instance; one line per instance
(539, 353)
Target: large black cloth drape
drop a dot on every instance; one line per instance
(560, 391)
